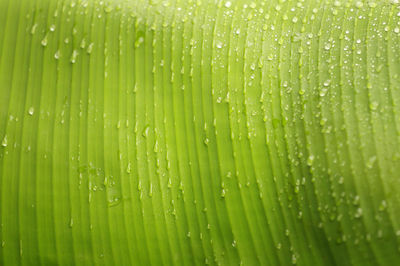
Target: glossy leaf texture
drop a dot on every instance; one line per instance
(192, 132)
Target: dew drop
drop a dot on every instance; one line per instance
(34, 27)
(74, 56)
(31, 111)
(90, 48)
(44, 41)
(128, 168)
(4, 142)
(327, 46)
(146, 130)
(234, 243)
(57, 55)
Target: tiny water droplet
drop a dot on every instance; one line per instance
(34, 27)
(223, 192)
(44, 41)
(83, 43)
(4, 142)
(57, 55)
(146, 130)
(31, 111)
(74, 56)
(128, 168)
(90, 48)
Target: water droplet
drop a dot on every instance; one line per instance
(74, 56)
(57, 55)
(396, 30)
(31, 111)
(228, 4)
(219, 44)
(90, 48)
(4, 142)
(52, 28)
(139, 41)
(83, 43)
(206, 141)
(128, 168)
(34, 27)
(223, 193)
(145, 132)
(327, 46)
(44, 41)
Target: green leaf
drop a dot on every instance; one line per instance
(186, 132)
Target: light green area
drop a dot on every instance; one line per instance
(185, 132)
